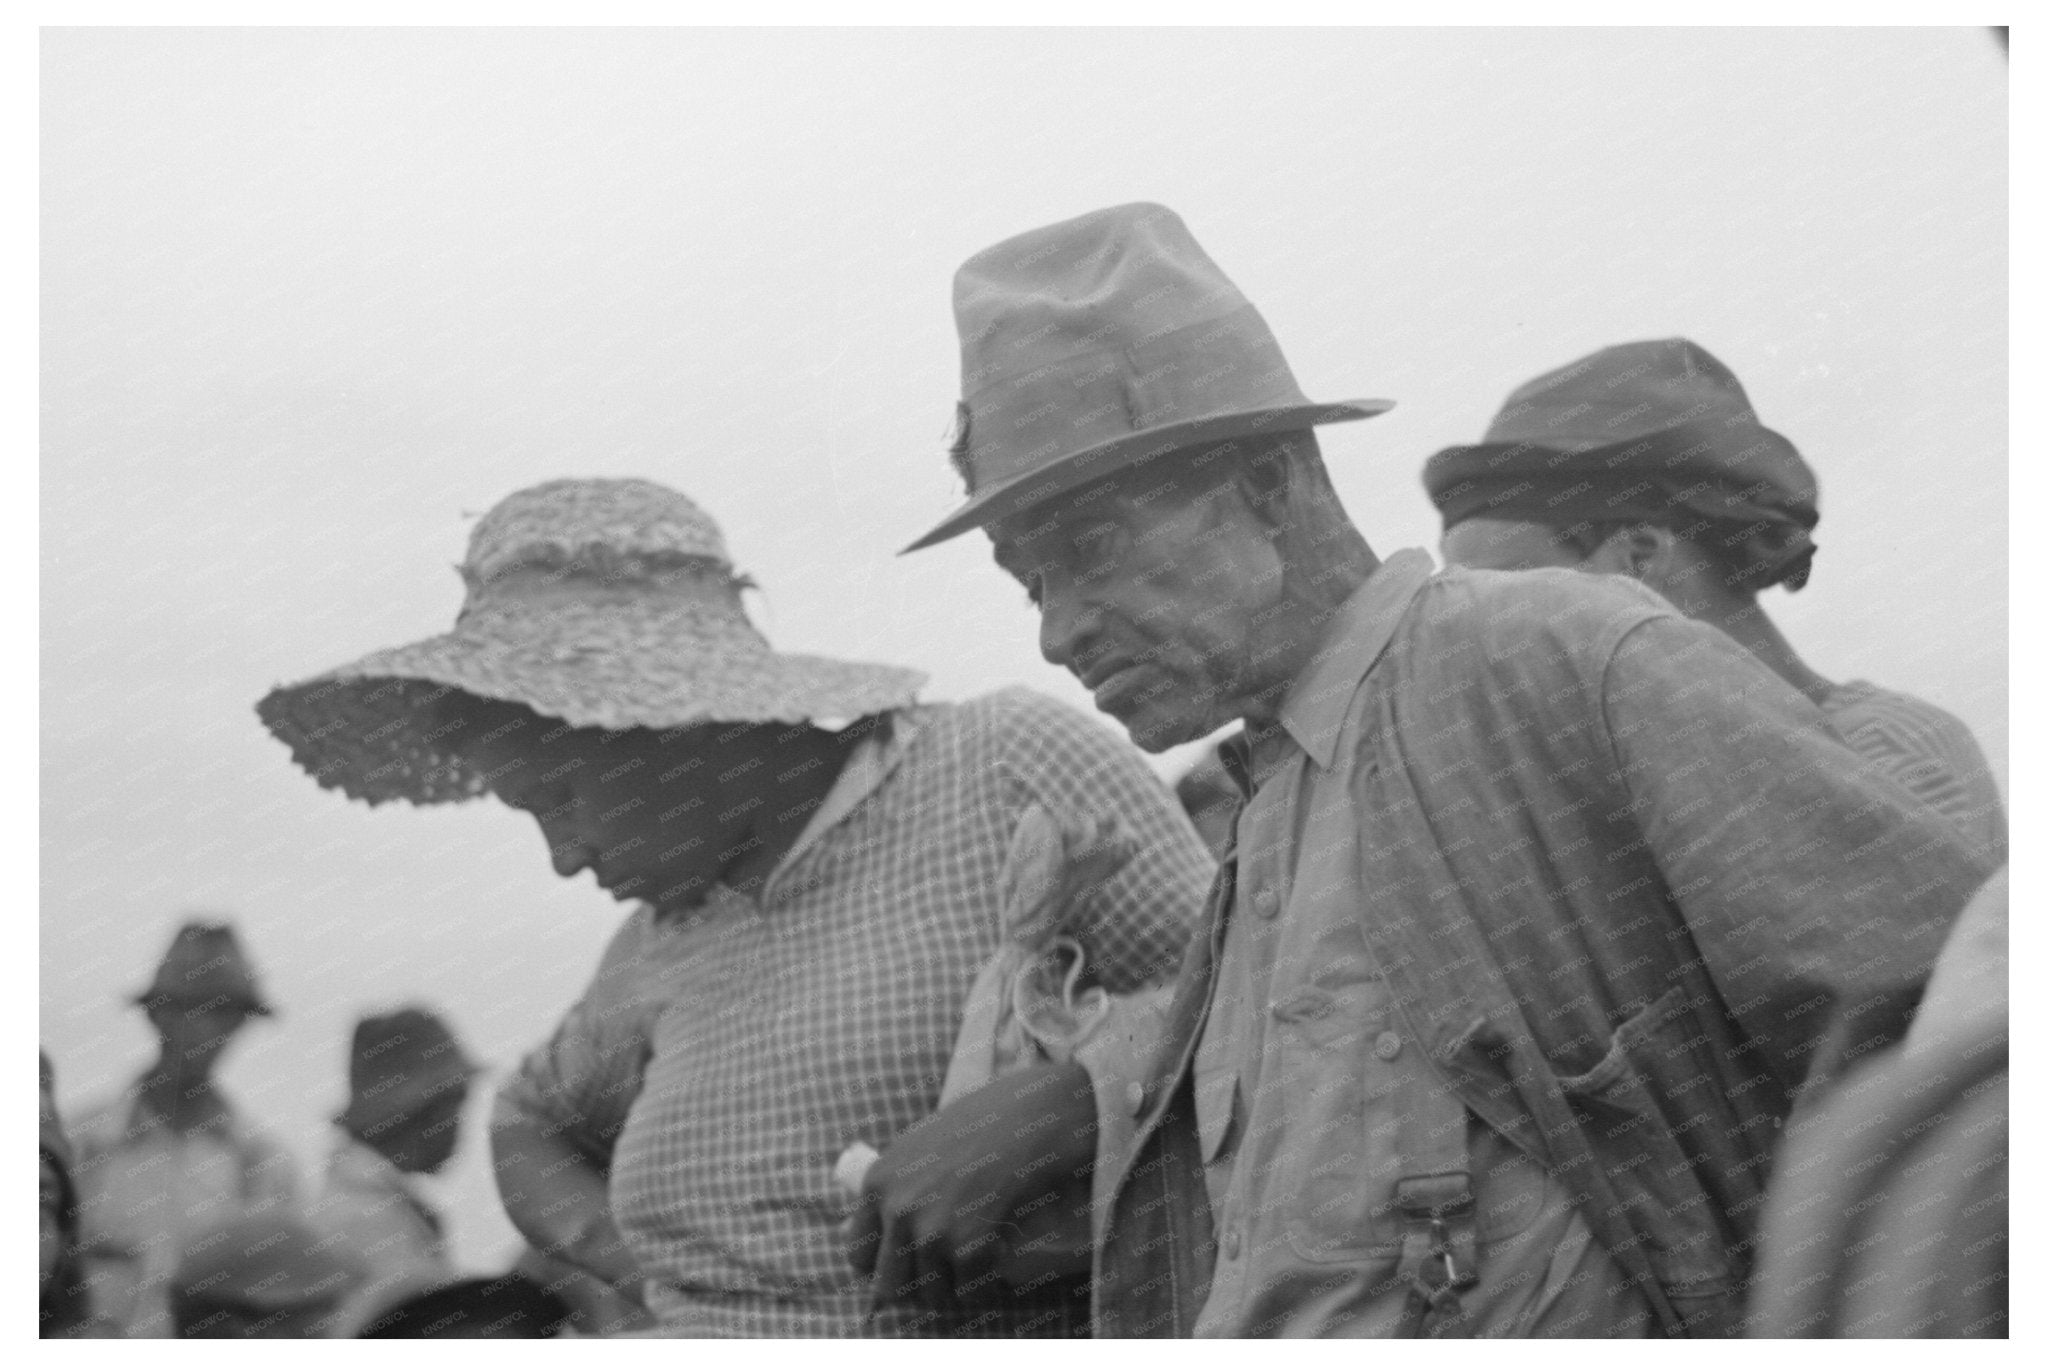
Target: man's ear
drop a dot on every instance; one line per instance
(1642, 552)
(1647, 553)
(1261, 483)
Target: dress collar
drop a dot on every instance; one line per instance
(866, 768)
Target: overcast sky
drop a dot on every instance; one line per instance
(312, 299)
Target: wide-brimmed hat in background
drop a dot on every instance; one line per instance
(1093, 344)
(601, 602)
(397, 1063)
(204, 965)
(1646, 429)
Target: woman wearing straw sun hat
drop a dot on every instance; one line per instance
(819, 865)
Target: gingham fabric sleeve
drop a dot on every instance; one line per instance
(581, 1083)
(1136, 926)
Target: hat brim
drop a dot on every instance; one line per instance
(1570, 460)
(1069, 472)
(146, 998)
(373, 729)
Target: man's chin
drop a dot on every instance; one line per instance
(1155, 730)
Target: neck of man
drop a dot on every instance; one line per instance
(1319, 575)
(1743, 619)
(181, 1092)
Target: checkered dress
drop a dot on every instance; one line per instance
(723, 1059)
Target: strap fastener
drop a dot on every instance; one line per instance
(1440, 1236)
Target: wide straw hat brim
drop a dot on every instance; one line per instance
(1108, 457)
(373, 729)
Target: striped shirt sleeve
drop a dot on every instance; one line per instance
(1928, 752)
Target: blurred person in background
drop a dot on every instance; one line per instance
(819, 866)
(1646, 460)
(264, 1275)
(170, 1157)
(408, 1080)
(60, 1276)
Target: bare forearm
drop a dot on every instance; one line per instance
(556, 1198)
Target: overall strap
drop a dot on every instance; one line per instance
(1439, 1215)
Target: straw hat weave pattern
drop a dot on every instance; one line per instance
(608, 603)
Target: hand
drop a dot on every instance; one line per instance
(980, 1200)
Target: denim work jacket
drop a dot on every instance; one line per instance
(1619, 880)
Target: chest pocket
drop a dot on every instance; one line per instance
(1356, 1098)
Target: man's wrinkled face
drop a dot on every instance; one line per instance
(654, 815)
(1494, 543)
(1150, 586)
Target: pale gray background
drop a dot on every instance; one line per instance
(313, 298)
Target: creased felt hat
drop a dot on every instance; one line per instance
(609, 603)
(204, 965)
(398, 1062)
(1644, 429)
(1091, 345)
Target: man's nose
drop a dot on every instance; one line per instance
(1066, 624)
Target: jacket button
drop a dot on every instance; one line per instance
(1266, 901)
(1134, 1097)
(1387, 1046)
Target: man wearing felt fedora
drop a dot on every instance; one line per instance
(170, 1156)
(1646, 459)
(408, 1080)
(818, 867)
(1509, 973)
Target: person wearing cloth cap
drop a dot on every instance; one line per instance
(1647, 460)
(261, 1275)
(817, 864)
(407, 1080)
(1509, 973)
(170, 1157)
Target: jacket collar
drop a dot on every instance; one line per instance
(1357, 636)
